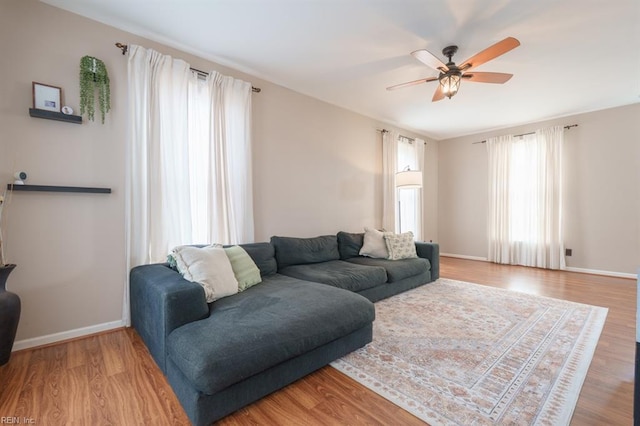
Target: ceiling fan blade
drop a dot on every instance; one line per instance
(437, 95)
(412, 83)
(500, 48)
(430, 60)
(487, 77)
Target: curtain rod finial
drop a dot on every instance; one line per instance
(123, 47)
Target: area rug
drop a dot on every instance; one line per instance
(457, 353)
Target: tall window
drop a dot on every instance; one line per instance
(190, 160)
(524, 228)
(525, 199)
(409, 213)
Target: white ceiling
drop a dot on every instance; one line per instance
(575, 55)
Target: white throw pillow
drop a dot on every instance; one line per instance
(374, 244)
(400, 246)
(208, 266)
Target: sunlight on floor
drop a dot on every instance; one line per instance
(524, 285)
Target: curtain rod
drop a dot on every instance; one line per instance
(530, 133)
(402, 136)
(125, 48)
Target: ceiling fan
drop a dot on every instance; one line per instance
(451, 74)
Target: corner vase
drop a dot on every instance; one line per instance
(9, 315)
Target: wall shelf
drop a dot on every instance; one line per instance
(49, 188)
(52, 115)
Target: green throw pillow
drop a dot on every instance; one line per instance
(244, 268)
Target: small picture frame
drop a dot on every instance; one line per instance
(47, 97)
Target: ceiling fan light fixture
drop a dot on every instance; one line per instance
(450, 74)
(450, 83)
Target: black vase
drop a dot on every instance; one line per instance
(9, 315)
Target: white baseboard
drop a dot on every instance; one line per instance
(65, 335)
(462, 256)
(598, 272)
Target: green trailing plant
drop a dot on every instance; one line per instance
(93, 76)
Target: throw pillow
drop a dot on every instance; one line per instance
(374, 244)
(244, 268)
(172, 262)
(349, 244)
(400, 246)
(208, 266)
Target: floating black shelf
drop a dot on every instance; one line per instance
(52, 115)
(49, 188)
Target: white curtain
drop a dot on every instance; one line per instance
(157, 96)
(525, 199)
(389, 198)
(189, 160)
(228, 212)
(410, 156)
(498, 225)
(419, 235)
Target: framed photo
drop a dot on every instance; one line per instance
(46, 97)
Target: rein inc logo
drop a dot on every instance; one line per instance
(17, 420)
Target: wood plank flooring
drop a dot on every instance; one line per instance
(110, 378)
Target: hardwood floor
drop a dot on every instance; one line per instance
(110, 379)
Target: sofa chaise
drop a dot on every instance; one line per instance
(313, 306)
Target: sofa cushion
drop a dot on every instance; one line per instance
(339, 273)
(302, 251)
(264, 326)
(208, 266)
(374, 244)
(349, 244)
(396, 269)
(264, 257)
(400, 246)
(244, 268)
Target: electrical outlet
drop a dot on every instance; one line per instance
(568, 252)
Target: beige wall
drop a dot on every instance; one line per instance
(602, 219)
(68, 247)
(430, 191)
(317, 170)
(462, 196)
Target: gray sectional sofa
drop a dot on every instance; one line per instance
(314, 305)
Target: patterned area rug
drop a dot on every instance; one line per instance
(456, 353)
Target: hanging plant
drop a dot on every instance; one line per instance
(93, 75)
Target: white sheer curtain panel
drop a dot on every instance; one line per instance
(549, 251)
(525, 199)
(389, 161)
(409, 198)
(231, 195)
(419, 236)
(189, 164)
(498, 216)
(158, 169)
